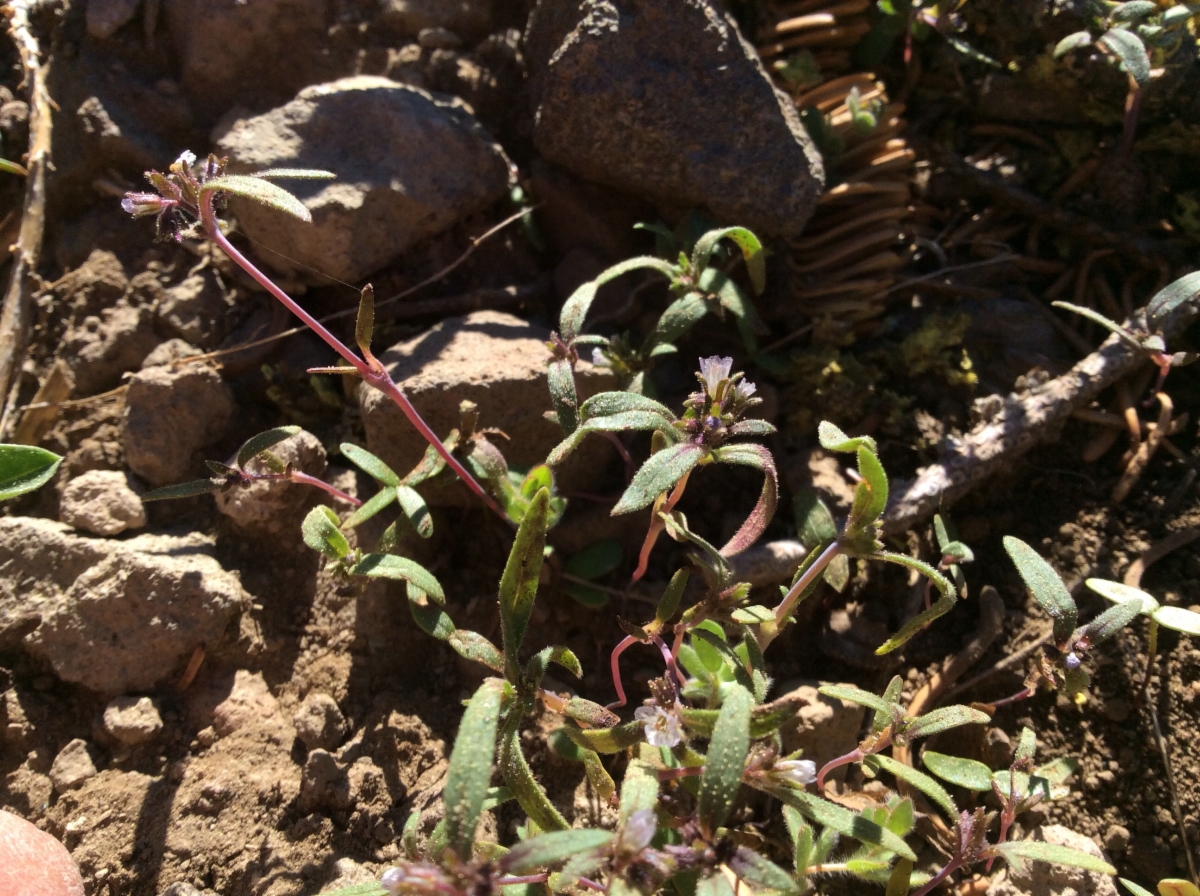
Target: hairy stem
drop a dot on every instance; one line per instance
(657, 526)
(374, 375)
(950, 868)
(305, 479)
(784, 610)
(855, 755)
(614, 662)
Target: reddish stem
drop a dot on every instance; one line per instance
(374, 375)
(953, 866)
(628, 642)
(789, 601)
(855, 755)
(305, 479)
(684, 771)
(657, 526)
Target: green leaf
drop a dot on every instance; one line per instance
(752, 252)
(321, 533)
(1135, 889)
(833, 439)
(295, 174)
(659, 473)
(470, 768)
(538, 852)
(369, 464)
(415, 510)
(1128, 48)
(585, 595)
(680, 316)
(1071, 42)
(852, 694)
(520, 779)
(715, 884)
(872, 473)
(759, 871)
(669, 602)
(257, 444)
(965, 773)
(758, 457)
(261, 191)
(575, 308)
(543, 658)
(1098, 318)
(726, 759)
(370, 507)
(389, 566)
(518, 585)
(372, 888)
(1053, 854)
(1178, 619)
(182, 490)
(1026, 745)
(607, 740)
(432, 462)
(900, 879)
(919, 780)
(1111, 621)
(596, 560)
(755, 615)
(605, 404)
(560, 376)
(639, 789)
(1045, 586)
(475, 647)
(589, 713)
(1133, 10)
(835, 817)
(1171, 297)
(13, 168)
(730, 297)
(24, 468)
(814, 522)
(364, 324)
(943, 719)
(1118, 593)
(430, 617)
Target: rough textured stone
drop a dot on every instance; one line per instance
(115, 616)
(103, 502)
(33, 863)
(132, 720)
(249, 700)
(72, 766)
(497, 361)
(104, 346)
(170, 351)
(274, 507)
(824, 729)
(195, 311)
(319, 722)
(408, 166)
(253, 52)
(1042, 879)
(170, 415)
(104, 17)
(689, 115)
(467, 18)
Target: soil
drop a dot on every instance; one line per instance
(227, 799)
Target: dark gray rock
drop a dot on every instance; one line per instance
(668, 100)
(408, 166)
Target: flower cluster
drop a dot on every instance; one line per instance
(713, 413)
(177, 200)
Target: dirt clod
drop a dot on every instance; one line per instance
(103, 502)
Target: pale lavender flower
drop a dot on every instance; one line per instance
(598, 358)
(713, 370)
(745, 389)
(662, 727)
(796, 771)
(639, 831)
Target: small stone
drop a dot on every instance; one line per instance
(132, 720)
(408, 166)
(439, 39)
(169, 352)
(1045, 879)
(171, 415)
(1116, 840)
(323, 784)
(72, 766)
(104, 346)
(273, 507)
(249, 700)
(206, 736)
(104, 17)
(194, 310)
(319, 722)
(347, 873)
(33, 863)
(103, 502)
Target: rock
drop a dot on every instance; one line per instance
(1116, 839)
(1043, 879)
(103, 347)
(115, 616)
(195, 311)
(14, 123)
(168, 352)
(95, 284)
(72, 766)
(103, 502)
(170, 415)
(249, 700)
(104, 17)
(256, 53)
(132, 720)
(319, 722)
(408, 166)
(468, 18)
(323, 784)
(497, 361)
(690, 116)
(274, 507)
(825, 728)
(439, 39)
(33, 863)
(347, 873)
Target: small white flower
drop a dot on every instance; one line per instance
(662, 727)
(639, 831)
(796, 771)
(713, 370)
(745, 389)
(598, 358)
(392, 879)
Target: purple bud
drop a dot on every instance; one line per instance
(1072, 661)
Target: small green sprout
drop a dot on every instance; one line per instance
(25, 468)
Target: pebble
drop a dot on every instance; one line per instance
(103, 502)
(319, 722)
(132, 720)
(1117, 838)
(72, 766)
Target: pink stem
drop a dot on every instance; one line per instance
(789, 601)
(657, 526)
(305, 479)
(629, 641)
(669, 659)
(527, 879)
(372, 375)
(853, 756)
(591, 884)
(684, 771)
(953, 866)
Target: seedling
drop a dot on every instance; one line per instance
(1175, 618)
(25, 468)
(1061, 663)
(185, 206)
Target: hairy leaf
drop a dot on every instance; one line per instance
(726, 759)
(943, 719)
(370, 507)
(475, 647)
(518, 585)
(596, 560)
(1098, 318)
(669, 602)
(900, 879)
(321, 533)
(1171, 297)
(659, 473)
(752, 252)
(259, 190)
(536, 853)
(369, 464)
(257, 444)
(837, 818)
(607, 740)
(1133, 10)
(1178, 619)
(1053, 854)
(1111, 621)
(872, 473)
(639, 789)
(1071, 42)
(24, 468)
(1118, 593)
(364, 324)
(852, 694)
(471, 768)
(591, 714)
(1045, 586)
(575, 309)
(919, 780)
(758, 457)
(606, 404)
(814, 522)
(182, 490)
(964, 772)
(1128, 48)
(833, 439)
(295, 174)
(680, 316)
(759, 871)
(1135, 889)
(520, 780)
(561, 379)
(389, 566)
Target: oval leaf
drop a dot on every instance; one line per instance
(1171, 297)
(1128, 48)
(1045, 586)
(471, 768)
(1054, 854)
(547, 849)
(183, 490)
(24, 468)
(965, 773)
(264, 440)
(726, 759)
(370, 464)
(833, 439)
(1178, 619)
(917, 779)
(389, 566)
(321, 533)
(261, 191)
(660, 472)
